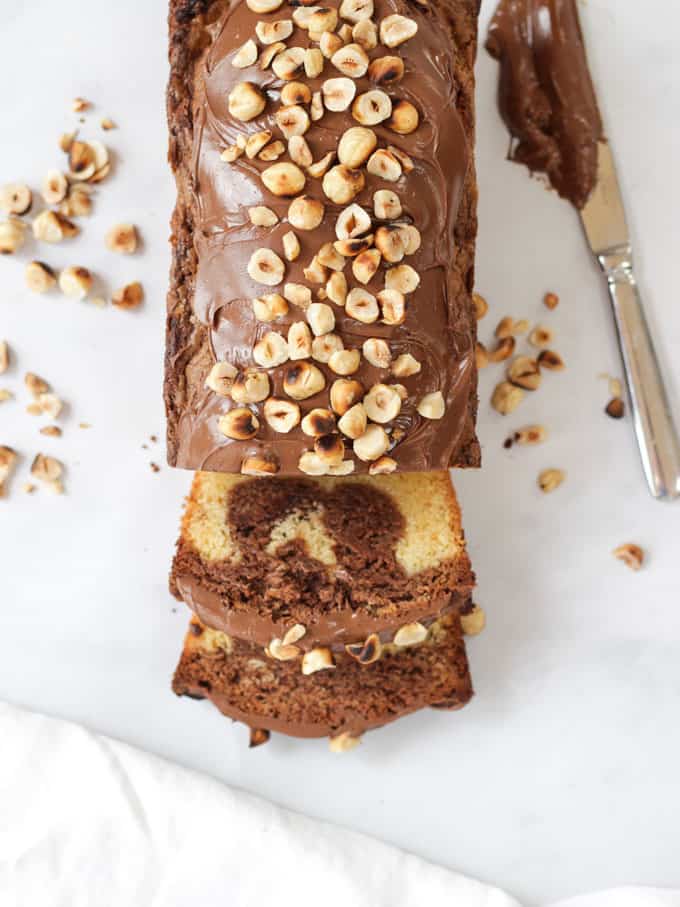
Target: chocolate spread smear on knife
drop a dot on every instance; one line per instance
(545, 92)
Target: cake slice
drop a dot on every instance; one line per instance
(342, 558)
(340, 698)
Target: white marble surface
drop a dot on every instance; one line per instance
(562, 776)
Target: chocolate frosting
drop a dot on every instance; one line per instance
(438, 329)
(545, 92)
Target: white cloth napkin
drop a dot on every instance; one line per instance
(86, 821)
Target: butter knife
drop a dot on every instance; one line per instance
(604, 221)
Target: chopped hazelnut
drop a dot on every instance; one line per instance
(631, 555)
(130, 296)
(122, 238)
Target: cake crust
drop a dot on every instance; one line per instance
(192, 339)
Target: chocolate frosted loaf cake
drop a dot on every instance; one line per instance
(343, 559)
(319, 315)
(321, 695)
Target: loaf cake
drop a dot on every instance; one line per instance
(335, 697)
(319, 315)
(342, 558)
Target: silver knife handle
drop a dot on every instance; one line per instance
(657, 436)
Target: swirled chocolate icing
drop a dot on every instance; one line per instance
(545, 93)
(439, 328)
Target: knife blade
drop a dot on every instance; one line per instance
(604, 222)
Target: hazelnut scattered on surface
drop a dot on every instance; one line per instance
(615, 408)
(410, 635)
(75, 282)
(16, 198)
(550, 479)
(506, 398)
(551, 300)
(12, 236)
(40, 277)
(130, 296)
(630, 554)
(122, 238)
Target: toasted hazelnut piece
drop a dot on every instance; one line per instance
(550, 479)
(551, 300)
(52, 227)
(289, 64)
(295, 634)
(250, 386)
(405, 118)
(410, 635)
(12, 236)
(122, 238)
(632, 555)
(256, 142)
(299, 151)
(50, 405)
(521, 326)
(349, 248)
(49, 471)
(318, 422)
(221, 377)
(270, 53)
(315, 272)
(391, 241)
(386, 204)
(372, 107)
(266, 267)
(314, 62)
(365, 265)
(4, 356)
(505, 328)
(377, 352)
(282, 652)
(353, 422)
(356, 145)
(299, 341)
(386, 70)
(8, 461)
(345, 362)
(320, 318)
(319, 20)
(319, 659)
(16, 198)
(271, 32)
(395, 30)
(311, 465)
(524, 372)
(342, 184)
(260, 465)
(473, 623)
(382, 403)
(239, 424)
(392, 306)
(39, 277)
(329, 257)
(551, 360)
(261, 216)
(403, 394)
(79, 105)
(506, 398)
(412, 238)
(541, 337)
(295, 93)
(352, 222)
(269, 307)
(362, 305)
(344, 742)
(325, 345)
(384, 165)
(263, 6)
(231, 153)
(345, 468)
(75, 282)
(246, 55)
(294, 121)
(35, 385)
(82, 163)
(305, 213)
(345, 392)
(338, 93)
(530, 435)
(351, 60)
(329, 43)
(503, 350)
(246, 101)
(481, 355)
(54, 187)
(481, 306)
(615, 409)
(77, 203)
(406, 162)
(291, 246)
(402, 278)
(432, 406)
(330, 449)
(316, 109)
(320, 168)
(336, 288)
(356, 10)
(372, 444)
(271, 350)
(365, 652)
(405, 365)
(281, 415)
(383, 467)
(298, 294)
(365, 34)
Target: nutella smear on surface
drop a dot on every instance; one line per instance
(545, 93)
